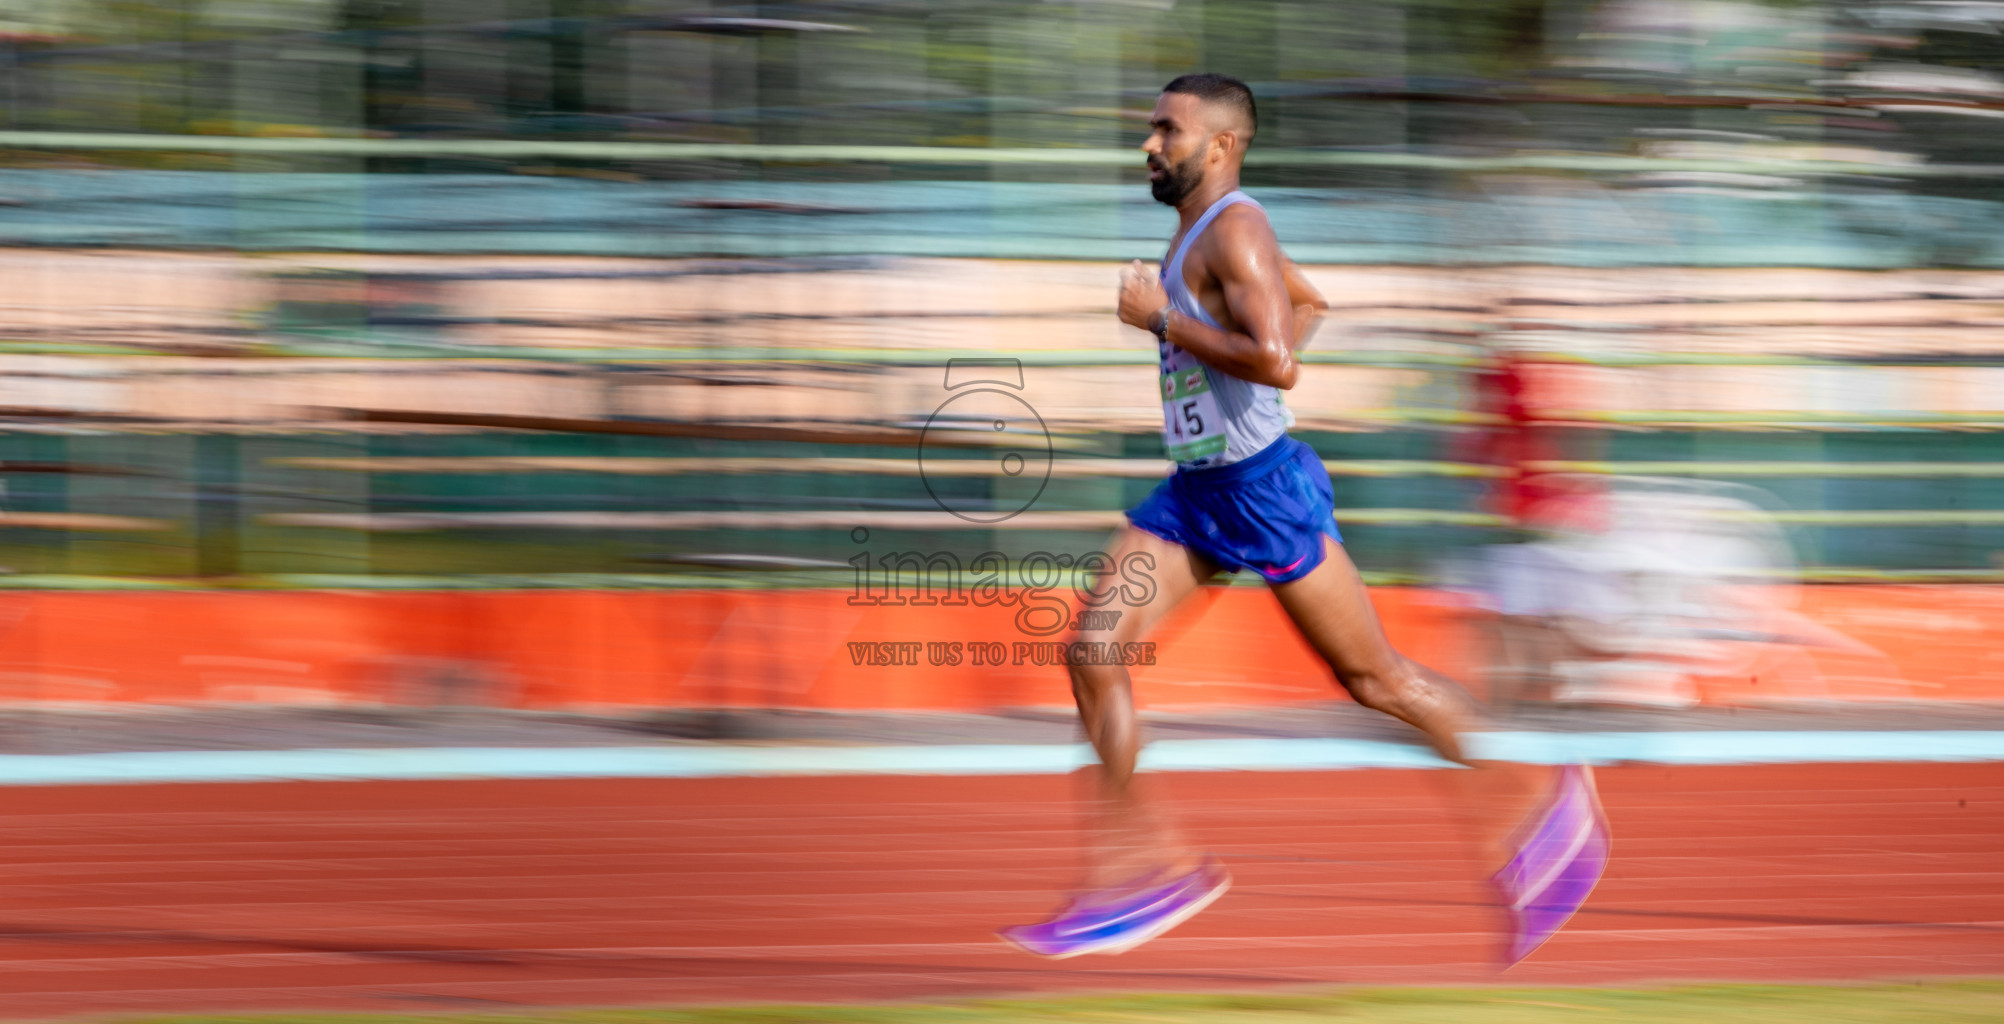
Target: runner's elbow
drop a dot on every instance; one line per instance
(1279, 367)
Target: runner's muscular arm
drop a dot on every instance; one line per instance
(1240, 251)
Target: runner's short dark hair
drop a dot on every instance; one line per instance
(1212, 87)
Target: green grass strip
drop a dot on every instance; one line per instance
(1618, 359)
(517, 149)
(1889, 517)
(1774, 469)
(362, 346)
(1952, 1002)
(980, 465)
(695, 577)
(724, 577)
(1779, 418)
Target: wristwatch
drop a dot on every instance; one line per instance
(1158, 324)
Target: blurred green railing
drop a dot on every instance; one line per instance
(1891, 165)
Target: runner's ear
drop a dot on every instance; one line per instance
(1231, 141)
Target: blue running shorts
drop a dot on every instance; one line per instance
(1267, 513)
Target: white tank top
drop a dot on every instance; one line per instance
(1209, 417)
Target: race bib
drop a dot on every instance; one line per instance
(1192, 426)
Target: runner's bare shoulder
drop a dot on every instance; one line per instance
(1240, 241)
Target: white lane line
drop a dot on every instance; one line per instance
(722, 761)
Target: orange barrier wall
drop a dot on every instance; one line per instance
(570, 648)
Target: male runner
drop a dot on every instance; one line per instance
(1229, 313)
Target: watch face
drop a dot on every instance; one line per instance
(985, 455)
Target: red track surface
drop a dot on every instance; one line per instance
(416, 896)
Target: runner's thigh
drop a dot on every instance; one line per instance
(1333, 610)
(1150, 576)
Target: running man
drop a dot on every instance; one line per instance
(1229, 313)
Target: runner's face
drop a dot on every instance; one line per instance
(1177, 141)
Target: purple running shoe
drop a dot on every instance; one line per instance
(1118, 924)
(1558, 864)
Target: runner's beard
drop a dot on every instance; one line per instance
(1178, 180)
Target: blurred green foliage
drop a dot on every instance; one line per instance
(1451, 76)
(1001, 72)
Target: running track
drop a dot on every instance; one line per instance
(412, 896)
